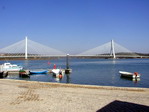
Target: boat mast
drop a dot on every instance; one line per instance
(26, 47)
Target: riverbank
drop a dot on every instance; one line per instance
(26, 96)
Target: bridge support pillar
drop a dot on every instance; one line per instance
(112, 49)
(26, 47)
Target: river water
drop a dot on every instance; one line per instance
(103, 72)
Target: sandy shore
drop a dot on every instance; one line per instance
(25, 96)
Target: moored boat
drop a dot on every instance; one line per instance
(24, 73)
(129, 74)
(10, 67)
(38, 72)
(58, 72)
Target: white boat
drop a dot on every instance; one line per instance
(10, 67)
(129, 74)
(58, 72)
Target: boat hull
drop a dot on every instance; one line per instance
(129, 75)
(3, 74)
(38, 72)
(58, 72)
(24, 73)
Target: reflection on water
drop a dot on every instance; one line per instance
(135, 80)
(68, 78)
(91, 71)
(59, 79)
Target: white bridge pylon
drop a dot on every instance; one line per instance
(27, 47)
(110, 48)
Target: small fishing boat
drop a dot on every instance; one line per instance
(10, 67)
(129, 74)
(24, 73)
(58, 72)
(38, 72)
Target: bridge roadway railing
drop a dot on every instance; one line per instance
(79, 56)
(30, 56)
(109, 56)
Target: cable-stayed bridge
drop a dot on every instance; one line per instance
(110, 50)
(29, 49)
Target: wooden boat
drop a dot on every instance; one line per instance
(24, 73)
(129, 74)
(3, 74)
(38, 72)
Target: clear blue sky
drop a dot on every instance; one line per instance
(74, 26)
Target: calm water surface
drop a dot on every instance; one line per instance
(90, 71)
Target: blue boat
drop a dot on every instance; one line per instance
(38, 72)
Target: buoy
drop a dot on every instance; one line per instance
(60, 76)
(136, 73)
